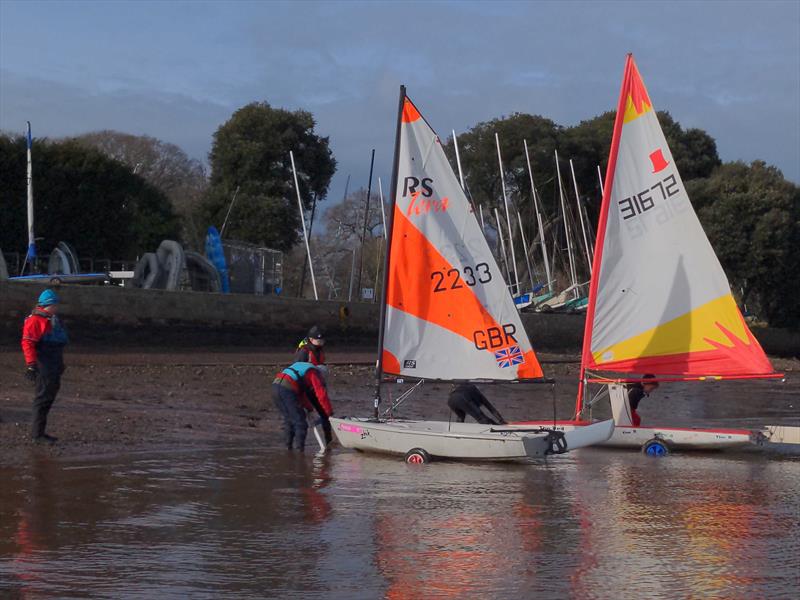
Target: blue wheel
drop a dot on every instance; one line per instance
(656, 447)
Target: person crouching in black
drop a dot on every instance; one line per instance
(636, 392)
(466, 399)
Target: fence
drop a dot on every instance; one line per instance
(253, 270)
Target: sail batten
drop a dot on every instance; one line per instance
(448, 313)
(660, 302)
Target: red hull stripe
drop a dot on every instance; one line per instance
(684, 429)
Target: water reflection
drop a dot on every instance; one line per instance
(267, 523)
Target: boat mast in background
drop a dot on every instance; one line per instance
(545, 259)
(600, 179)
(458, 160)
(305, 232)
(364, 230)
(508, 218)
(30, 256)
(502, 245)
(580, 216)
(380, 245)
(525, 249)
(573, 276)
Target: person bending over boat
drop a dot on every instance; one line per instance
(43, 341)
(298, 388)
(466, 399)
(311, 348)
(636, 392)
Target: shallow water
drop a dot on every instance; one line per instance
(265, 523)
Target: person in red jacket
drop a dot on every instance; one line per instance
(311, 348)
(298, 388)
(43, 341)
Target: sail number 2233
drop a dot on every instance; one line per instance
(453, 279)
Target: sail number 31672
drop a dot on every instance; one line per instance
(453, 279)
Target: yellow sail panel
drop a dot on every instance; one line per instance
(638, 101)
(693, 332)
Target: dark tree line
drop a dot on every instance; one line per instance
(81, 196)
(116, 195)
(750, 213)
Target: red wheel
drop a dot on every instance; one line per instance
(417, 456)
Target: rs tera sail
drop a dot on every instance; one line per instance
(449, 314)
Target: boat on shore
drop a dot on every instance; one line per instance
(659, 301)
(446, 315)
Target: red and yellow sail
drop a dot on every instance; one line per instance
(659, 301)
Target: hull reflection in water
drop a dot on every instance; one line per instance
(256, 524)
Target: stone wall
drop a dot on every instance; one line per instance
(120, 316)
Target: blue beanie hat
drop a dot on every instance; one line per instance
(48, 298)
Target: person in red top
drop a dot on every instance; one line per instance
(311, 348)
(298, 388)
(43, 341)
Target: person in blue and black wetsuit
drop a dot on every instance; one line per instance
(295, 390)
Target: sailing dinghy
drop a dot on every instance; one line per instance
(659, 301)
(447, 315)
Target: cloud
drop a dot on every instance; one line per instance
(178, 70)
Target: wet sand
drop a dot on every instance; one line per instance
(113, 402)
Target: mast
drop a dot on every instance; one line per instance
(383, 209)
(572, 275)
(458, 160)
(366, 218)
(305, 233)
(601, 235)
(392, 202)
(525, 249)
(580, 216)
(539, 221)
(508, 218)
(502, 244)
(600, 179)
(380, 246)
(31, 254)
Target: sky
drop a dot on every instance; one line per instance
(178, 70)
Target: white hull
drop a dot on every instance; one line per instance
(678, 438)
(466, 441)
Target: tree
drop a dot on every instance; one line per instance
(163, 165)
(250, 153)
(82, 197)
(751, 215)
(587, 143)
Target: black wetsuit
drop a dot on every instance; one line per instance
(466, 399)
(635, 394)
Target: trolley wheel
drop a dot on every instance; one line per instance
(417, 456)
(655, 447)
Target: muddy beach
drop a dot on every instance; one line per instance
(119, 401)
(130, 400)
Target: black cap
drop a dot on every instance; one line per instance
(649, 376)
(316, 333)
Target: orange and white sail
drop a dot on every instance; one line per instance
(449, 314)
(659, 300)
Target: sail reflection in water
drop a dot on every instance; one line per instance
(268, 524)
